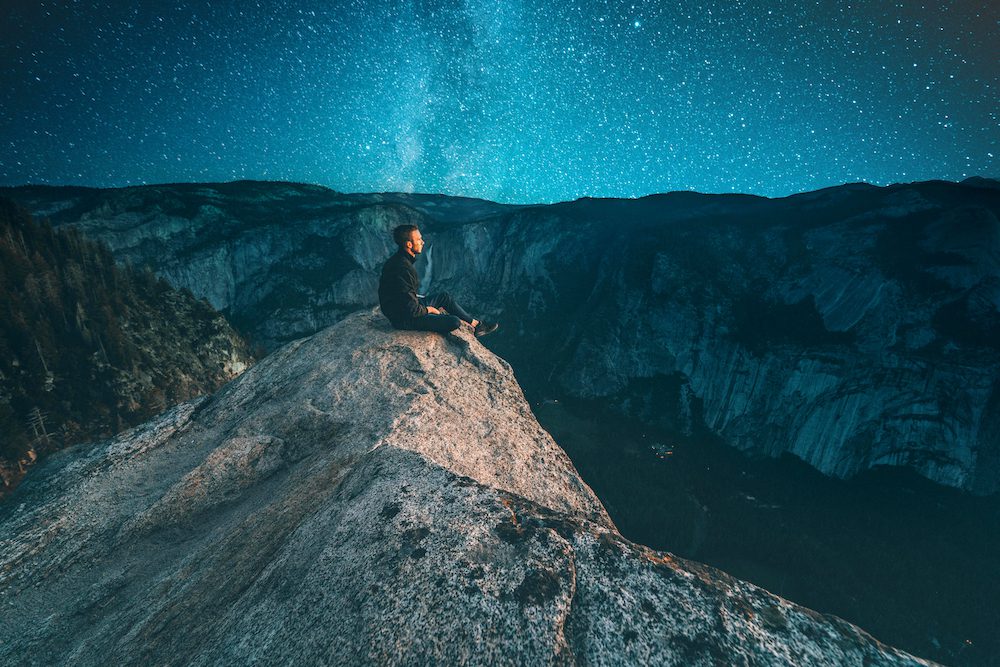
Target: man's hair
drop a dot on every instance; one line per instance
(402, 234)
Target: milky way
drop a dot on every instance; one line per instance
(521, 101)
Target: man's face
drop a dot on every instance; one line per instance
(416, 243)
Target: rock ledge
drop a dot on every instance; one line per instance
(365, 496)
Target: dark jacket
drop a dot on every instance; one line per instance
(397, 290)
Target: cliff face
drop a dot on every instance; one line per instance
(281, 260)
(853, 327)
(365, 496)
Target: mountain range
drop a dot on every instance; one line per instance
(852, 327)
(850, 331)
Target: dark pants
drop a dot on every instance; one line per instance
(439, 323)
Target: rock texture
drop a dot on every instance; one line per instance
(364, 496)
(853, 327)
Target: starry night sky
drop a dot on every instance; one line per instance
(516, 101)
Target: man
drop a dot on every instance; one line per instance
(398, 298)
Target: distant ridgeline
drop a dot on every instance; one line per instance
(853, 327)
(88, 348)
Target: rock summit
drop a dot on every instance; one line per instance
(365, 496)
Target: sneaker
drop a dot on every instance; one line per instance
(484, 328)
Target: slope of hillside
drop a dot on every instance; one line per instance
(88, 348)
(366, 496)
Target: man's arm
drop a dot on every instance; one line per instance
(403, 284)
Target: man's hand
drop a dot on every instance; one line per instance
(434, 311)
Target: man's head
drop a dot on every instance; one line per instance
(408, 238)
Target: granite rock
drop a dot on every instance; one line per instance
(853, 327)
(365, 496)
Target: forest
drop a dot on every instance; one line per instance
(88, 347)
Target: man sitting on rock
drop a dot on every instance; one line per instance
(398, 298)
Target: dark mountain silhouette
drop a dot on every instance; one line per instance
(980, 182)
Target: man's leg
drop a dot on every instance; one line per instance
(444, 300)
(438, 323)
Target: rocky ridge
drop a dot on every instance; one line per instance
(365, 496)
(280, 260)
(853, 327)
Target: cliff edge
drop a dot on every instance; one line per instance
(364, 496)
